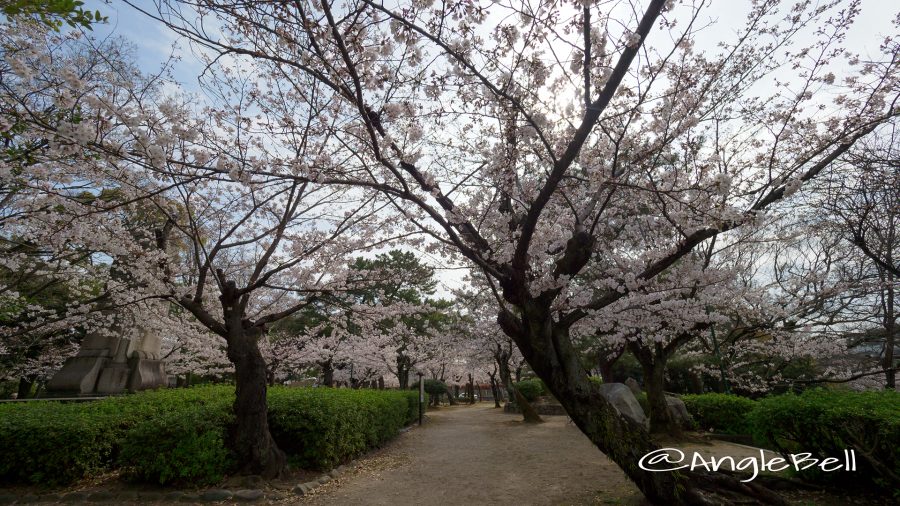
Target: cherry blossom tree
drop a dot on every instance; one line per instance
(864, 200)
(195, 222)
(538, 141)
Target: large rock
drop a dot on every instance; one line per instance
(621, 397)
(679, 413)
(633, 385)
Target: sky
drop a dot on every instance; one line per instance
(155, 44)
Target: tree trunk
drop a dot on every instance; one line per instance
(606, 360)
(24, 389)
(546, 346)
(253, 442)
(452, 395)
(403, 368)
(403, 378)
(506, 381)
(890, 336)
(381, 383)
(328, 374)
(653, 365)
(606, 372)
(495, 391)
(529, 415)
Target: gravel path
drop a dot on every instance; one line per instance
(478, 455)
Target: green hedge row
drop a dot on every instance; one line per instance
(821, 422)
(826, 422)
(722, 413)
(531, 389)
(172, 436)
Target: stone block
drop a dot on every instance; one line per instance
(146, 374)
(78, 375)
(679, 413)
(248, 495)
(621, 397)
(113, 379)
(216, 494)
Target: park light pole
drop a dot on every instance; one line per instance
(421, 397)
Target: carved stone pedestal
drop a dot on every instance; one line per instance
(146, 374)
(111, 365)
(78, 376)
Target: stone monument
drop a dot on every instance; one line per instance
(110, 365)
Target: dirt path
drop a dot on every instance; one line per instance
(479, 455)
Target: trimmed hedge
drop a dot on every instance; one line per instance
(187, 445)
(320, 428)
(825, 422)
(531, 389)
(57, 443)
(180, 436)
(723, 413)
(53, 444)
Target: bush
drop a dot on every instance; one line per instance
(52, 443)
(435, 388)
(322, 427)
(722, 413)
(531, 389)
(183, 443)
(825, 422)
(180, 436)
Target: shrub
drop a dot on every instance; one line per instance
(412, 405)
(531, 389)
(321, 427)
(435, 388)
(825, 422)
(723, 413)
(172, 436)
(52, 443)
(186, 445)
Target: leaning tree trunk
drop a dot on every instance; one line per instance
(653, 365)
(529, 414)
(516, 399)
(253, 443)
(546, 346)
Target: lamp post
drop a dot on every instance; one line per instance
(421, 397)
